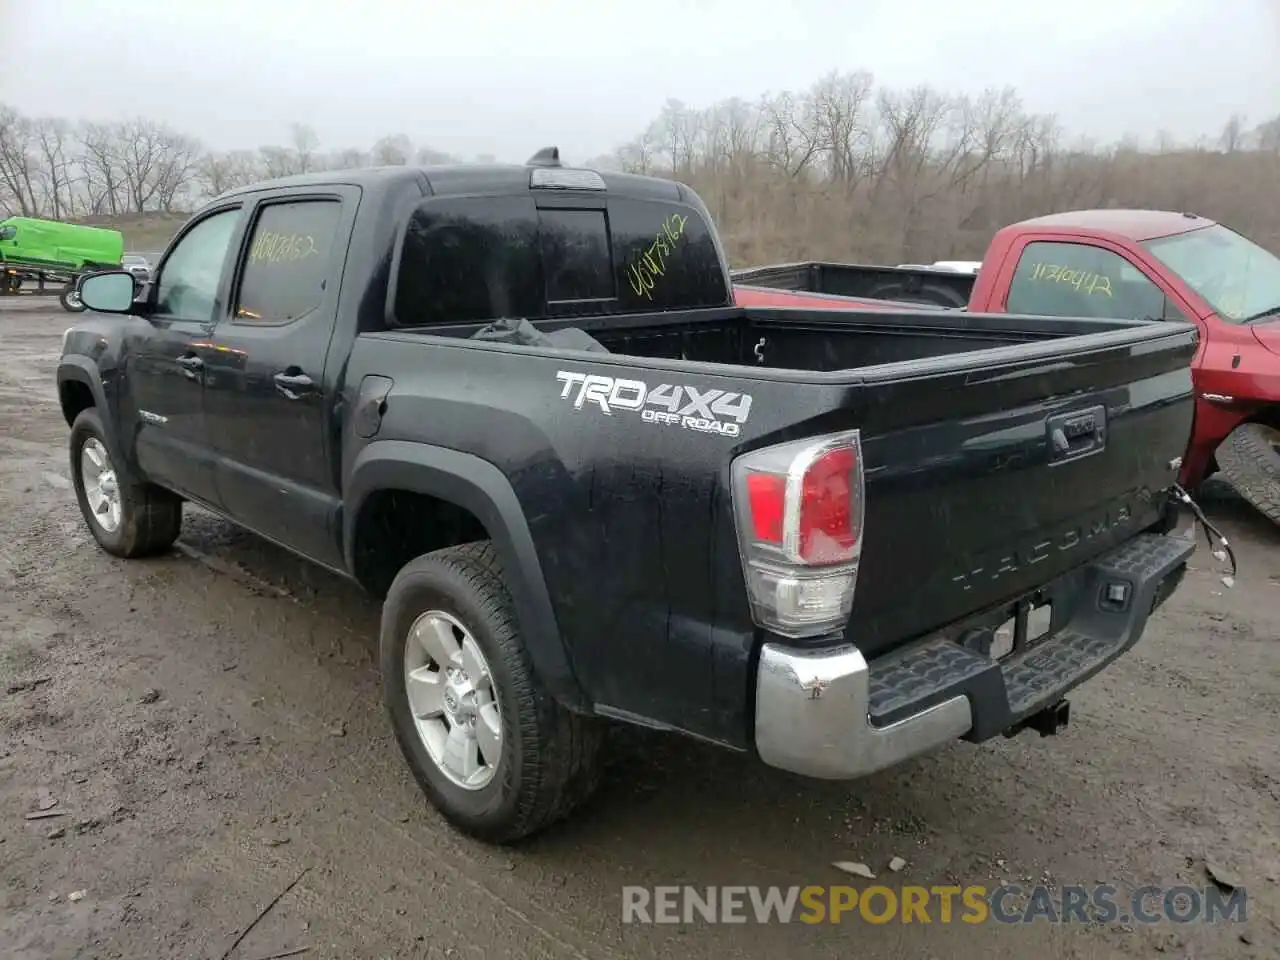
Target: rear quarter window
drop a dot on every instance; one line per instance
(470, 260)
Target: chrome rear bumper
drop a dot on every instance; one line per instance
(828, 713)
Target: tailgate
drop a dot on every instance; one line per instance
(985, 482)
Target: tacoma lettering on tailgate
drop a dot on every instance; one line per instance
(704, 411)
(1060, 542)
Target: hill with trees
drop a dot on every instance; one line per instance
(845, 170)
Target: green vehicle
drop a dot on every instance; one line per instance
(46, 250)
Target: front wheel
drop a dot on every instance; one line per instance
(127, 518)
(1250, 458)
(491, 749)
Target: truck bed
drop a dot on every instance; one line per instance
(920, 285)
(821, 340)
(968, 504)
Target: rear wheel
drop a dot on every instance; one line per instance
(127, 518)
(70, 299)
(1250, 458)
(491, 749)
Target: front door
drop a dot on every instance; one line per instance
(164, 369)
(268, 395)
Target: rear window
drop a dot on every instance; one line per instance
(477, 259)
(576, 260)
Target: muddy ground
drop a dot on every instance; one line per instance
(209, 726)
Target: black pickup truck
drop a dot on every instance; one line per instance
(519, 404)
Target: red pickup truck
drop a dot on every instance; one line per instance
(1141, 264)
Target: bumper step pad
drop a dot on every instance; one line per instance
(1097, 629)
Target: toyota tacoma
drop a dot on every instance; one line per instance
(519, 405)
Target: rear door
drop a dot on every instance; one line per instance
(268, 391)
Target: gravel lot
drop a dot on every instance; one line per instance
(210, 727)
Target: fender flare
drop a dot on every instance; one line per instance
(480, 487)
(77, 369)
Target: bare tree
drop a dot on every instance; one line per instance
(638, 155)
(429, 156)
(842, 129)
(677, 129)
(18, 164)
(216, 173)
(278, 162)
(393, 151)
(1233, 136)
(350, 158)
(58, 172)
(176, 170)
(793, 134)
(845, 170)
(1267, 135)
(305, 142)
(142, 154)
(103, 168)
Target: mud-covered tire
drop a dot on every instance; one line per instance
(1250, 459)
(549, 756)
(150, 517)
(70, 299)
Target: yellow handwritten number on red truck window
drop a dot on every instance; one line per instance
(1081, 280)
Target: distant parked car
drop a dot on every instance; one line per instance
(138, 265)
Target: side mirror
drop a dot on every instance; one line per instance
(110, 292)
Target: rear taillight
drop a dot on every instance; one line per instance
(798, 508)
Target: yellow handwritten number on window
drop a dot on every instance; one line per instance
(645, 270)
(1081, 280)
(272, 247)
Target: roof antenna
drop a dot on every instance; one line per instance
(546, 157)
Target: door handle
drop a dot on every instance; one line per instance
(293, 385)
(191, 365)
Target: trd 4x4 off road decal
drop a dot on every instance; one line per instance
(706, 411)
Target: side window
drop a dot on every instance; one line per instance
(188, 284)
(1080, 280)
(575, 255)
(288, 265)
(470, 260)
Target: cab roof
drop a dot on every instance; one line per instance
(466, 178)
(1132, 225)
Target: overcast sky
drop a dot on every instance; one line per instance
(506, 77)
